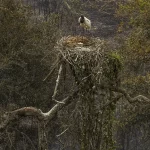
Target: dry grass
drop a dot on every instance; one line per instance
(85, 55)
(73, 41)
(79, 49)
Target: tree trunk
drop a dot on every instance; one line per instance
(42, 136)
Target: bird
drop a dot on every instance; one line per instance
(84, 22)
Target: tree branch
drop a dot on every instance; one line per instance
(54, 67)
(10, 117)
(139, 98)
(57, 83)
(62, 133)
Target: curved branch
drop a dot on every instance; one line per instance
(10, 117)
(139, 98)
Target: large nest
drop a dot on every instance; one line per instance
(91, 66)
(88, 57)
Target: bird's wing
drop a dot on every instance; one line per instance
(87, 19)
(88, 23)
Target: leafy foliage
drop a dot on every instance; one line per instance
(25, 53)
(135, 51)
(137, 13)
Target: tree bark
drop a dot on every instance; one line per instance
(42, 136)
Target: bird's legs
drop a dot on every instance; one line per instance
(83, 32)
(91, 33)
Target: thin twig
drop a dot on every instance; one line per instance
(11, 145)
(53, 69)
(62, 133)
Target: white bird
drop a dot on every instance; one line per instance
(84, 22)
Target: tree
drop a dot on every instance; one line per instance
(135, 51)
(85, 114)
(24, 44)
(137, 14)
(26, 57)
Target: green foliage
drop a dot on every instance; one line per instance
(112, 68)
(136, 48)
(13, 23)
(137, 13)
(138, 82)
(25, 54)
(117, 59)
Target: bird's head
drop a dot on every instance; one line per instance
(81, 19)
(82, 16)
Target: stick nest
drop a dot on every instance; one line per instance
(78, 46)
(87, 56)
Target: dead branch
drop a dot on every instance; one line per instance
(10, 117)
(62, 133)
(53, 69)
(139, 98)
(57, 83)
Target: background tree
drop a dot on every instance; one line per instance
(25, 48)
(135, 51)
(26, 54)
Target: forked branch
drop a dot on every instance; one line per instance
(139, 98)
(10, 117)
